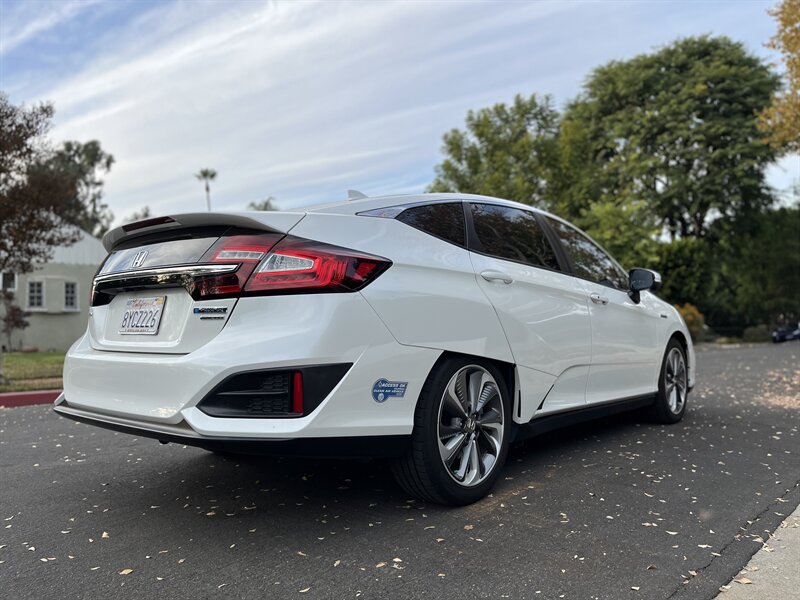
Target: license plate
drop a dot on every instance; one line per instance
(142, 316)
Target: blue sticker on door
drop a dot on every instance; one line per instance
(383, 389)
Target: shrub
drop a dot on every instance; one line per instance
(694, 321)
(757, 333)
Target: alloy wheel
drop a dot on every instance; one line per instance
(471, 425)
(675, 381)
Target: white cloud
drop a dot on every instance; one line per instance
(303, 100)
(31, 19)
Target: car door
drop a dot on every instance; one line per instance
(542, 310)
(625, 350)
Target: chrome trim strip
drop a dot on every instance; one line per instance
(390, 212)
(182, 428)
(179, 270)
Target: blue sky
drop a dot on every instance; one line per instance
(302, 100)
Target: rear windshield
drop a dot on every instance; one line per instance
(158, 254)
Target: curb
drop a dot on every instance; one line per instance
(13, 399)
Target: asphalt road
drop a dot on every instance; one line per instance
(620, 508)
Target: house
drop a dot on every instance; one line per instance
(55, 296)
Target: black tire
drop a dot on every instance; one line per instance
(423, 471)
(673, 385)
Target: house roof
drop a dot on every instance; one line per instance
(86, 251)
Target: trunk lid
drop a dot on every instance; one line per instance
(169, 284)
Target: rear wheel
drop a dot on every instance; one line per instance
(461, 429)
(673, 385)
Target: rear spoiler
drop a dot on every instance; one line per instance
(274, 222)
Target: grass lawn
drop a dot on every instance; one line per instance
(28, 371)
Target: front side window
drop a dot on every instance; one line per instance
(70, 295)
(445, 221)
(512, 234)
(588, 259)
(35, 294)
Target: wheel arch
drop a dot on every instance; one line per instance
(507, 369)
(685, 343)
(681, 338)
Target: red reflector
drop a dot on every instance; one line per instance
(297, 393)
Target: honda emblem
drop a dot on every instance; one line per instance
(138, 259)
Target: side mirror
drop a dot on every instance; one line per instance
(643, 279)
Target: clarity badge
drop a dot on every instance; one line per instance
(382, 389)
(211, 313)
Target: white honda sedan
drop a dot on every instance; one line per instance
(435, 329)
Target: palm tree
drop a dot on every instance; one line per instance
(206, 176)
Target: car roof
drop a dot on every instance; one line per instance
(361, 205)
(353, 207)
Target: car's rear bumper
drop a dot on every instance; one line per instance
(329, 447)
(160, 393)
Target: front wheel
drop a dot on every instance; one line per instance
(673, 385)
(462, 425)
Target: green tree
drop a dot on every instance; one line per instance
(676, 129)
(627, 231)
(207, 176)
(14, 318)
(689, 271)
(767, 273)
(266, 204)
(505, 151)
(82, 165)
(35, 213)
(781, 120)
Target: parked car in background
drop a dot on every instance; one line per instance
(433, 328)
(786, 333)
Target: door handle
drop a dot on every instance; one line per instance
(598, 299)
(497, 276)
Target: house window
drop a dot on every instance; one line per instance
(8, 282)
(35, 294)
(70, 295)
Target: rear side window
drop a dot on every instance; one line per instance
(445, 221)
(512, 234)
(588, 259)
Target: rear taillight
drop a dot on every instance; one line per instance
(247, 250)
(250, 264)
(296, 265)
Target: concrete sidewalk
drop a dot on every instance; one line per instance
(774, 571)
